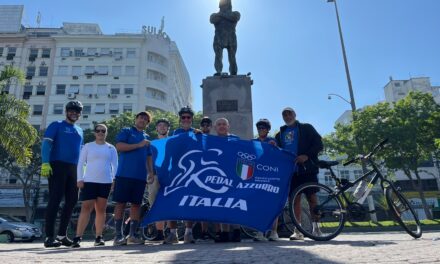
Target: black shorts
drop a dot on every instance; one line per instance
(128, 190)
(93, 190)
(299, 179)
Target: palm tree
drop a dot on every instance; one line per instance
(16, 134)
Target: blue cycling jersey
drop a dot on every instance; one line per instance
(66, 141)
(132, 164)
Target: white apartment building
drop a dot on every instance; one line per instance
(109, 74)
(398, 89)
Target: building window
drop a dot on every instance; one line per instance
(103, 70)
(11, 53)
(89, 70)
(114, 108)
(73, 89)
(27, 91)
(44, 70)
(116, 70)
(157, 76)
(328, 179)
(78, 52)
(92, 51)
(84, 126)
(61, 89)
(397, 84)
(41, 89)
(33, 54)
(345, 174)
(128, 88)
(76, 70)
(37, 127)
(100, 109)
(129, 70)
(46, 53)
(357, 174)
(131, 53)
(157, 58)
(115, 89)
(88, 89)
(1, 51)
(63, 70)
(58, 109)
(65, 52)
(117, 53)
(87, 109)
(127, 108)
(155, 94)
(105, 51)
(102, 89)
(30, 72)
(38, 110)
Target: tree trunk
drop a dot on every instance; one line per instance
(422, 195)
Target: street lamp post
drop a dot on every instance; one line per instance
(352, 101)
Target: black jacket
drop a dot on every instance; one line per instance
(309, 143)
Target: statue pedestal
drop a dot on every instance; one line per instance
(230, 97)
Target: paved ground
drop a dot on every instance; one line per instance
(395, 247)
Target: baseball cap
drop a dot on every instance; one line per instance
(290, 109)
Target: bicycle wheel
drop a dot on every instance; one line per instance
(249, 232)
(322, 218)
(403, 212)
(285, 220)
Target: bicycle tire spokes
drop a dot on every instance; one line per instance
(321, 218)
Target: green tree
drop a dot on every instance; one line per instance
(411, 124)
(16, 134)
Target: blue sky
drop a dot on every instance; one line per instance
(291, 47)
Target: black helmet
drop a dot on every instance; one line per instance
(163, 120)
(206, 120)
(264, 123)
(186, 110)
(74, 105)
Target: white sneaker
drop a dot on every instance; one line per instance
(274, 236)
(297, 235)
(317, 232)
(188, 239)
(260, 237)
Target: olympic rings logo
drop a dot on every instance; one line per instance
(246, 156)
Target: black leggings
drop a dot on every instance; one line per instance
(62, 184)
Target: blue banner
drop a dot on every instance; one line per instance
(219, 179)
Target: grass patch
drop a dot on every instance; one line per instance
(378, 224)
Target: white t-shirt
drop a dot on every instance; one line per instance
(97, 163)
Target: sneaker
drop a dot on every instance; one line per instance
(99, 241)
(51, 243)
(274, 236)
(171, 239)
(188, 239)
(132, 240)
(222, 237)
(120, 241)
(317, 231)
(236, 235)
(65, 241)
(159, 237)
(260, 237)
(297, 235)
(206, 236)
(76, 242)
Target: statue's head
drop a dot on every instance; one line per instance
(225, 5)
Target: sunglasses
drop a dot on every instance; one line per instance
(185, 117)
(261, 128)
(100, 131)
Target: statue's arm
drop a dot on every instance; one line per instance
(215, 18)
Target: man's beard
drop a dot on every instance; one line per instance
(71, 120)
(290, 123)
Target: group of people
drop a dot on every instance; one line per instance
(96, 169)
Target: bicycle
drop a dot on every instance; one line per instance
(333, 207)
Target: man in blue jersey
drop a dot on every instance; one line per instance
(134, 167)
(302, 140)
(263, 127)
(60, 153)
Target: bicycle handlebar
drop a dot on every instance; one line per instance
(375, 149)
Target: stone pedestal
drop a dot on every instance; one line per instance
(230, 97)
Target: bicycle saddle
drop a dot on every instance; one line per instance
(324, 164)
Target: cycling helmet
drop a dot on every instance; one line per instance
(206, 120)
(186, 110)
(74, 105)
(163, 120)
(264, 123)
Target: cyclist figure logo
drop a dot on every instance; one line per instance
(191, 174)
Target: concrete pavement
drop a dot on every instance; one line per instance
(392, 247)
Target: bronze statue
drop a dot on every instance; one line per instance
(225, 22)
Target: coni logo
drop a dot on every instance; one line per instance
(245, 165)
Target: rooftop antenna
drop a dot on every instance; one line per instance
(162, 25)
(38, 19)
